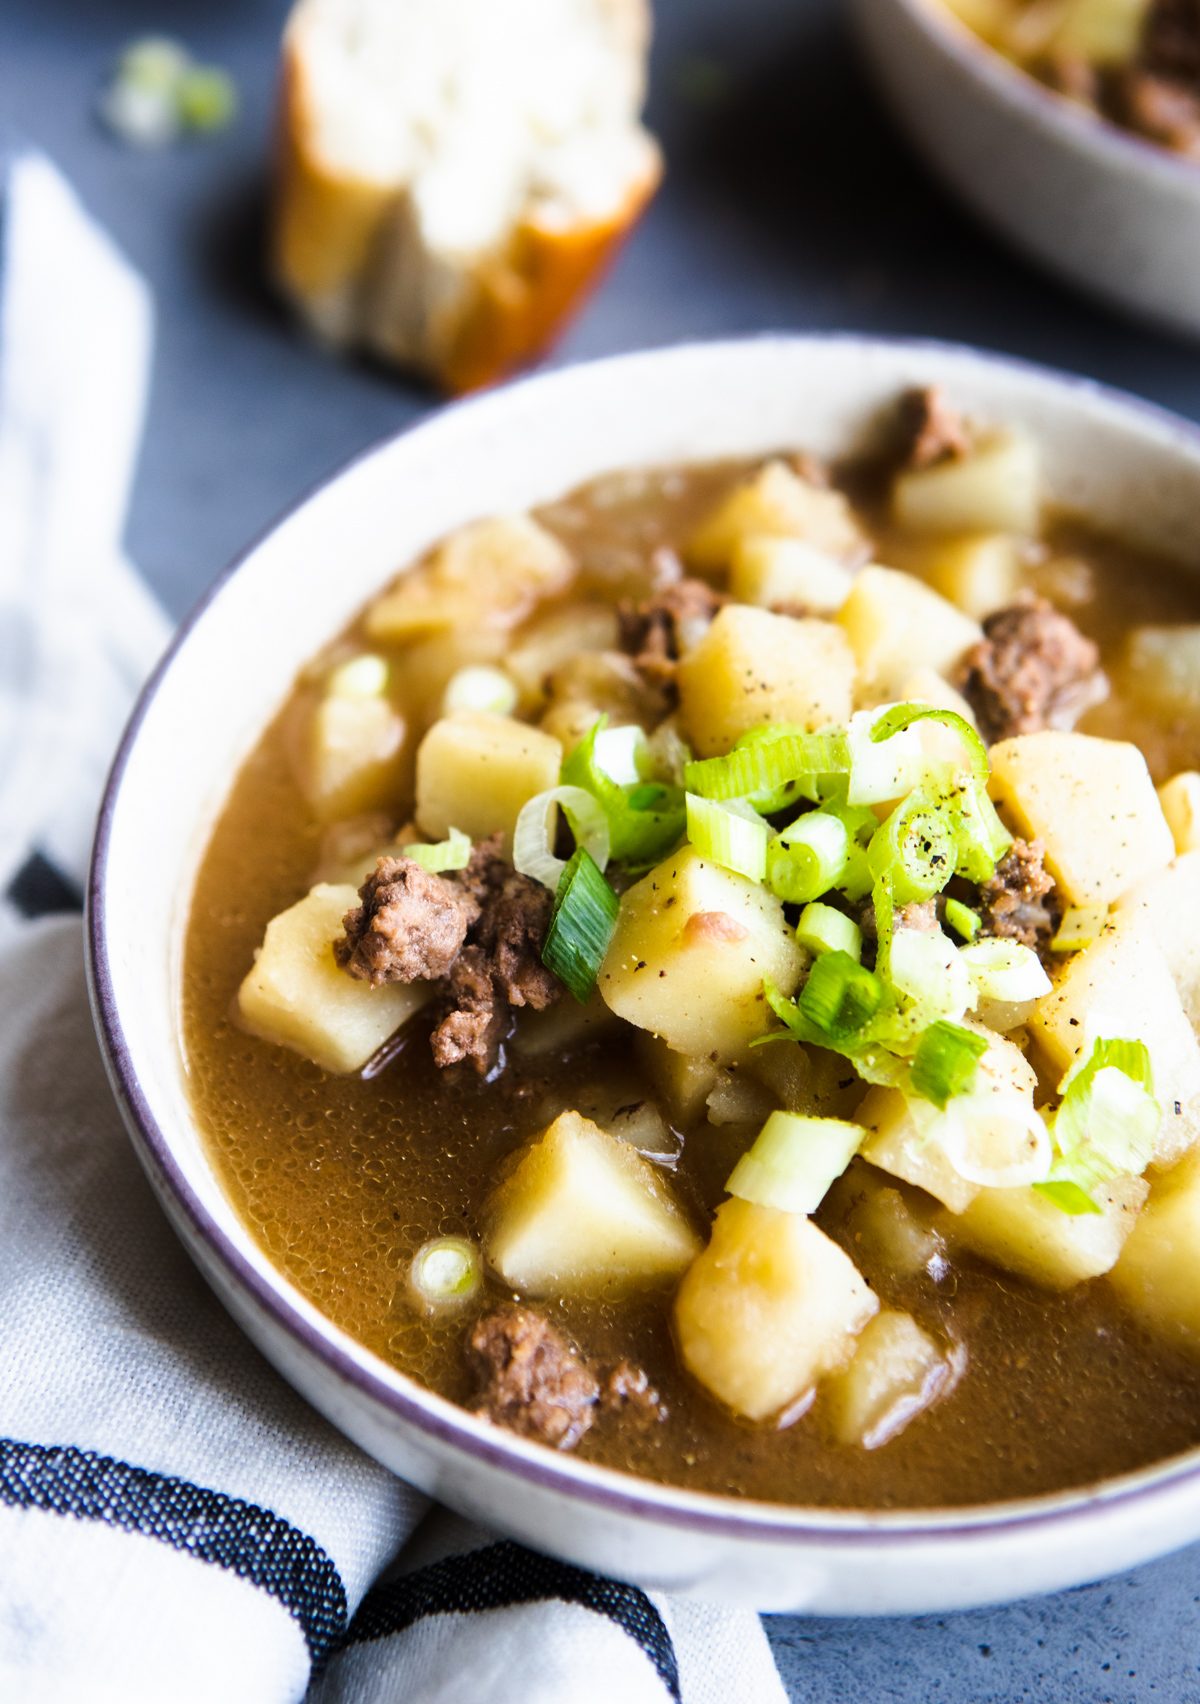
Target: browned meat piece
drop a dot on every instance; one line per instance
(1171, 39)
(500, 967)
(530, 1379)
(1032, 669)
(409, 927)
(655, 632)
(920, 914)
(1013, 901)
(933, 430)
(627, 1390)
(1160, 108)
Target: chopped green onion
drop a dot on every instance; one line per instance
(207, 98)
(766, 760)
(537, 826)
(839, 996)
(881, 773)
(915, 848)
(445, 1272)
(996, 1139)
(794, 1160)
(480, 688)
(824, 929)
(980, 837)
(962, 919)
(1068, 1197)
(616, 751)
(898, 717)
(1005, 970)
(581, 926)
(452, 854)
(927, 968)
(639, 834)
(808, 857)
(361, 677)
(731, 833)
(1080, 926)
(1109, 1118)
(945, 1062)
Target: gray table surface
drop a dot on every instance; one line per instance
(790, 202)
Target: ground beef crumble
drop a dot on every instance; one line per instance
(1013, 902)
(1032, 669)
(933, 430)
(533, 1382)
(408, 928)
(656, 632)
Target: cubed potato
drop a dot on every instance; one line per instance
(1158, 1274)
(1180, 801)
(1019, 1230)
(1102, 32)
(490, 573)
(611, 682)
(738, 1098)
(582, 1213)
(347, 753)
(1169, 904)
(427, 666)
(564, 1025)
(476, 770)
(776, 503)
(994, 489)
(979, 573)
(897, 1372)
(1162, 668)
(1121, 986)
(895, 625)
(552, 640)
(890, 1234)
(770, 1307)
(752, 667)
(1093, 804)
(692, 945)
(683, 1080)
(296, 995)
(899, 1142)
(787, 571)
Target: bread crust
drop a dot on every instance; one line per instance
(334, 253)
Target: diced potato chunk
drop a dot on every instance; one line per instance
(1162, 668)
(564, 1025)
(1121, 986)
(428, 665)
(772, 571)
(684, 1080)
(979, 573)
(1180, 801)
(346, 753)
(553, 640)
(899, 1144)
(895, 625)
(892, 1234)
(583, 1213)
(296, 995)
(776, 503)
(769, 1308)
(692, 945)
(476, 770)
(1169, 905)
(1093, 804)
(1019, 1230)
(1158, 1274)
(1102, 32)
(752, 667)
(897, 1372)
(994, 489)
(488, 573)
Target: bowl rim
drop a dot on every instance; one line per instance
(606, 1490)
(1095, 133)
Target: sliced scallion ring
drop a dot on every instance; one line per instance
(900, 716)
(808, 857)
(916, 849)
(451, 854)
(731, 833)
(533, 837)
(581, 926)
(945, 1062)
(445, 1273)
(996, 1139)
(767, 759)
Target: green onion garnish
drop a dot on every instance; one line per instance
(581, 925)
(794, 1160)
(915, 849)
(808, 857)
(902, 716)
(1068, 1197)
(766, 760)
(839, 996)
(824, 929)
(962, 919)
(945, 1062)
(1108, 1119)
(644, 821)
(452, 854)
(731, 833)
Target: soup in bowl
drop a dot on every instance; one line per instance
(659, 985)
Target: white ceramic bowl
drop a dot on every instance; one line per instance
(1127, 465)
(1105, 210)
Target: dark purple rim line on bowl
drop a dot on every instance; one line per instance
(601, 1487)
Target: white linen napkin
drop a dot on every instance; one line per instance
(175, 1523)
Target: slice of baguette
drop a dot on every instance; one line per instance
(453, 174)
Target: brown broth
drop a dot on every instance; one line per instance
(342, 1179)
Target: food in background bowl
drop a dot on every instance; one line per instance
(1136, 62)
(453, 175)
(765, 1062)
